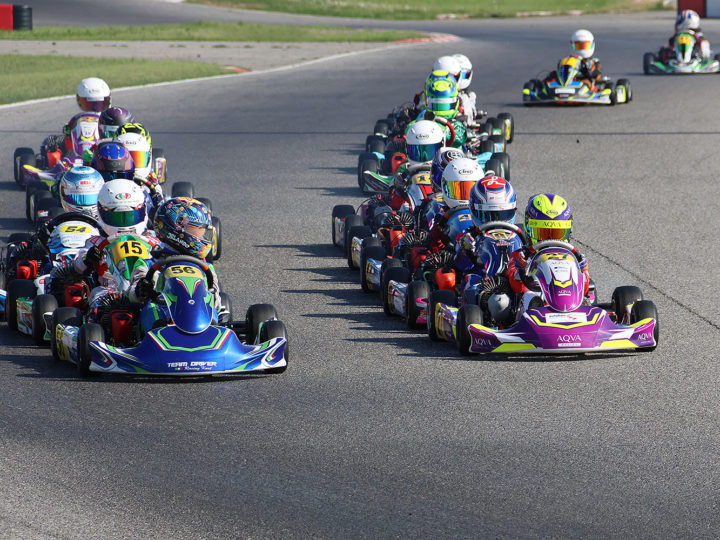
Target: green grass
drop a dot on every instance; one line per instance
(25, 77)
(208, 31)
(429, 9)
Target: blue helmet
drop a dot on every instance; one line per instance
(492, 199)
(112, 160)
(78, 189)
(442, 157)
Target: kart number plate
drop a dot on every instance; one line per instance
(558, 318)
(684, 39)
(564, 90)
(75, 229)
(129, 248)
(183, 271)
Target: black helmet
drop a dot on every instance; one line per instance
(112, 118)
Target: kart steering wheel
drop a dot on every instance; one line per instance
(172, 259)
(532, 250)
(429, 115)
(495, 225)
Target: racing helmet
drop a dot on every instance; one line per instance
(112, 160)
(449, 64)
(548, 217)
(78, 189)
(122, 208)
(424, 138)
(442, 157)
(135, 127)
(583, 43)
(492, 199)
(111, 119)
(687, 19)
(140, 151)
(465, 71)
(185, 225)
(93, 94)
(458, 180)
(441, 94)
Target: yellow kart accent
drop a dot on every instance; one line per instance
(565, 326)
(562, 284)
(509, 347)
(526, 91)
(624, 343)
(640, 323)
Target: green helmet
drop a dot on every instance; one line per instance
(441, 94)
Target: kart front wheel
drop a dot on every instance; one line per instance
(509, 125)
(361, 232)
(370, 165)
(466, 315)
(382, 127)
(183, 189)
(65, 315)
(216, 249)
(623, 297)
(271, 330)
(438, 297)
(417, 289)
(22, 156)
(399, 274)
(371, 252)
(226, 312)
(648, 59)
(18, 288)
(340, 211)
(375, 143)
(255, 316)
(45, 303)
(645, 309)
(88, 332)
(624, 90)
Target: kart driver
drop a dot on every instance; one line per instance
(687, 21)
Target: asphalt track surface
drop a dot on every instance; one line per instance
(374, 431)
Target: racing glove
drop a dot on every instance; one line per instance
(468, 243)
(92, 258)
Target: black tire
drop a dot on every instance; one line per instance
(226, 302)
(486, 146)
(509, 123)
(88, 332)
(375, 143)
(394, 273)
(339, 211)
(361, 232)
(160, 153)
(382, 127)
(17, 237)
(44, 205)
(45, 303)
(613, 93)
(255, 315)
(496, 166)
(275, 329)
(216, 251)
(504, 158)
(17, 288)
(371, 165)
(648, 59)
(31, 191)
(64, 315)
(435, 298)
(418, 288)
(183, 189)
(645, 309)
(466, 315)
(372, 252)
(623, 297)
(22, 156)
(628, 89)
(207, 202)
(371, 241)
(499, 139)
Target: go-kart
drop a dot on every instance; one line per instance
(562, 87)
(189, 345)
(39, 277)
(682, 59)
(556, 321)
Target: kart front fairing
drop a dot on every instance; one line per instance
(168, 351)
(542, 330)
(572, 92)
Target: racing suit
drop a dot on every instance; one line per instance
(701, 49)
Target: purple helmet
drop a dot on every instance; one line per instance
(112, 160)
(112, 118)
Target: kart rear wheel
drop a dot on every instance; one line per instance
(509, 125)
(160, 153)
(369, 165)
(275, 329)
(486, 146)
(183, 189)
(625, 83)
(371, 252)
(394, 273)
(648, 59)
(623, 297)
(360, 232)
(504, 158)
(18, 288)
(45, 303)
(255, 316)
(22, 156)
(207, 202)
(216, 250)
(418, 288)
(226, 314)
(43, 206)
(17, 237)
(375, 143)
(88, 332)
(466, 315)
(438, 297)
(339, 211)
(31, 194)
(382, 127)
(65, 315)
(645, 309)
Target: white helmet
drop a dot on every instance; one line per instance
(93, 94)
(465, 71)
(583, 43)
(449, 64)
(140, 150)
(687, 19)
(424, 139)
(458, 180)
(122, 208)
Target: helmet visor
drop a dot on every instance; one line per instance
(498, 215)
(423, 152)
(200, 232)
(123, 218)
(81, 199)
(87, 104)
(108, 131)
(442, 104)
(114, 175)
(582, 45)
(545, 229)
(458, 190)
(141, 158)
